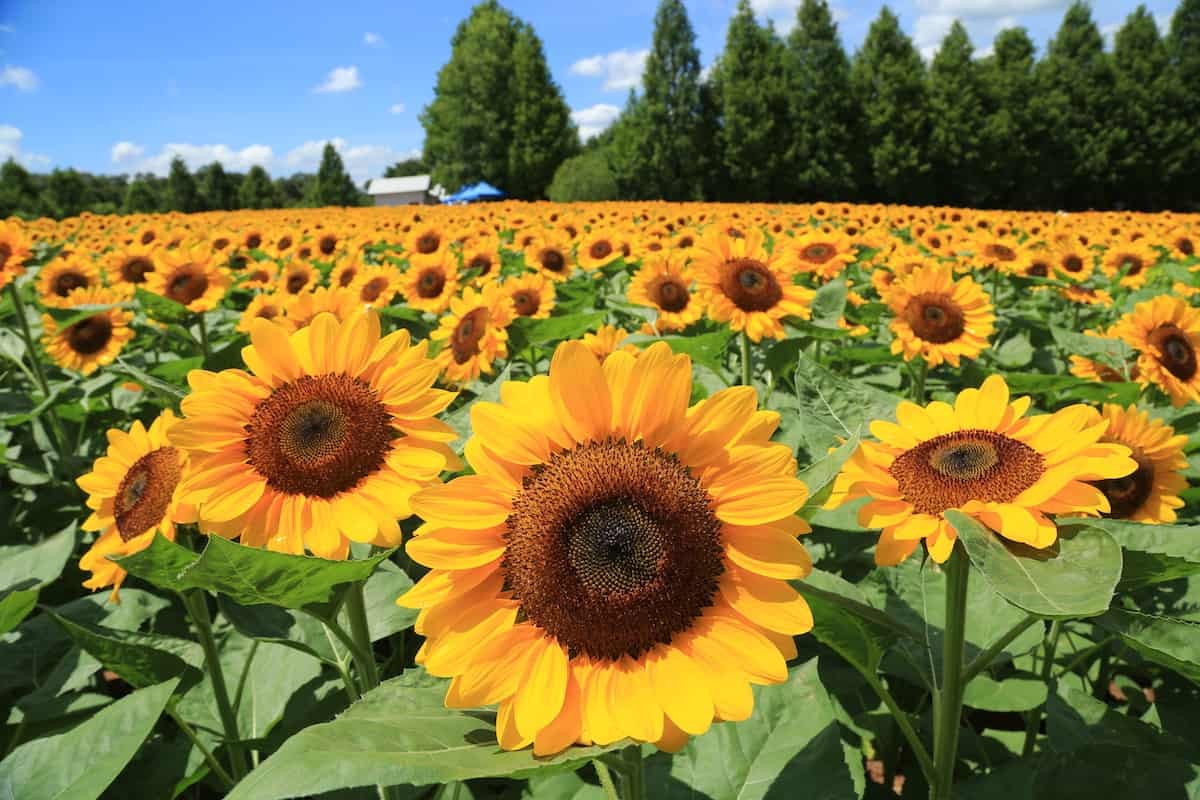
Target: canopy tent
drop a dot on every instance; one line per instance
(470, 194)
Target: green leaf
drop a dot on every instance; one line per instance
(704, 348)
(139, 375)
(790, 747)
(399, 733)
(15, 606)
(294, 629)
(140, 659)
(1074, 578)
(818, 476)
(1153, 553)
(1110, 352)
(384, 617)
(1015, 352)
(1011, 694)
(161, 309)
(28, 567)
(176, 371)
(833, 408)
(460, 418)
(829, 303)
(248, 575)
(81, 763)
(557, 329)
(1173, 643)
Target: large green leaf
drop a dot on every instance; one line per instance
(790, 747)
(29, 567)
(557, 329)
(829, 303)
(15, 606)
(1074, 578)
(248, 575)
(1153, 553)
(141, 659)
(818, 476)
(1011, 694)
(844, 621)
(1174, 643)
(1110, 352)
(81, 763)
(161, 309)
(399, 733)
(833, 408)
(295, 629)
(704, 348)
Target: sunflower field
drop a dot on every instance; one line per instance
(607, 500)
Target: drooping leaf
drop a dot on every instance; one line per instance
(557, 329)
(834, 409)
(704, 348)
(1174, 643)
(1153, 553)
(829, 303)
(81, 763)
(1074, 578)
(1010, 694)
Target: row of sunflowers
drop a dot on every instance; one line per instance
(610, 464)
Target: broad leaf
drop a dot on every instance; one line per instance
(141, 659)
(248, 575)
(844, 621)
(81, 763)
(705, 348)
(161, 309)
(835, 409)
(1112, 353)
(15, 606)
(29, 567)
(829, 303)
(1153, 553)
(1174, 643)
(1010, 694)
(557, 329)
(1074, 578)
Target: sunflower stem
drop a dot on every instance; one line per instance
(949, 697)
(1034, 721)
(746, 360)
(39, 374)
(635, 773)
(213, 764)
(905, 724)
(364, 654)
(204, 349)
(920, 368)
(984, 659)
(606, 780)
(197, 608)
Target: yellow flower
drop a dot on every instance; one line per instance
(133, 492)
(474, 333)
(427, 242)
(377, 285)
(265, 306)
(823, 253)
(304, 308)
(1151, 492)
(187, 276)
(129, 265)
(531, 295)
(64, 275)
(1166, 332)
(665, 284)
(431, 284)
(598, 248)
(321, 443)
(550, 253)
(617, 566)
(607, 340)
(94, 341)
(1131, 260)
(983, 457)
(14, 251)
(938, 318)
(297, 277)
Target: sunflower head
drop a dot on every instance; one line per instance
(617, 565)
(938, 318)
(93, 341)
(1166, 333)
(664, 283)
(531, 295)
(187, 275)
(429, 285)
(64, 275)
(14, 251)
(1151, 492)
(474, 333)
(551, 253)
(376, 285)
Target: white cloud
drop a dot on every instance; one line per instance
(620, 69)
(340, 79)
(372, 39)
(7, 29)
(1109, 32)
(362, 161)
(198, 155)
(126, 151)
(594, 119)
(19, 77)
(10, 147)
(781, 12)
(397, 108)
(988, 8)
(929, 31)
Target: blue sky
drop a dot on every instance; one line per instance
(123, 86)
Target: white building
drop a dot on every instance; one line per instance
(408, 191)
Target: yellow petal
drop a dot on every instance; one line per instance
(543, 690)
(681, 689)
(579, 392)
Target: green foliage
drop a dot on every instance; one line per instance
(956, 104)
(543, 135)
(584, 177)
(256, 190)
(333, 186)
(409, 166)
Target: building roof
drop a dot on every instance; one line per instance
(410, 183)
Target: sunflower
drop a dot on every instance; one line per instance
(326, 244)
(1166, 333)
(618, 565)
(321, 443)
(425, 243)
(598, 248)
(1183, 243)
(1091, 370)
(130, 265)
(14, 251)
(1151, 492)
(531, 295)
(282, 244)
(999, 252)
(344, 274)
(1085, 295)
(431, 284)
(302, 309)
(550, 253)
(982, 457)
(1072, 260)
(824, 254)
(265, 306)
(1131, 260)
(939, 318)
(474, 333)
(297, 277)
(133, 492)
(94, 341)
(377, 284)
(62, 276)
(607, 340)
(259, 275)
(251, 238)
(748, 287)
(187, 276)
(663, 283)
(481, 258)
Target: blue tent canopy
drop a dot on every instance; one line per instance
(470, 194)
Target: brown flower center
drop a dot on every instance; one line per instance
(90, 335)
(428, 243)
(147, 237)
(430, 283)
(372, 289)
(1039, 269)
(1126, 495)
(526, 302)
(134, 270)
(1000, 252)
(318, 435)
(464, 343)
(481, 262)
(934, 318)
(5, 254)
(600, 249)
(750, 285)
(552, 260)
(1183, 244)
(296, 282)
(145, 492)
(818, 253)
(187, 284)
(1072, 263)
(1133, 264)
(253, 240)
(670, 295)
(1175, 350)
(950, 470)
(612, 548)
(220, 243)
(327, 244)
(284, 243)
(67, 282)
(346, 277)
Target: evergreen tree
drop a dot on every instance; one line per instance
(409, 166)
(888, 78)
(821, 156)
(956, 111)
(66, 193)
(1142, 110)
(181, 188)
(1181, 167)
(621, 145)
(217, 189)
(256, 190)
(140, 197)
(542, 134)
(295, 191)
(18, 192)
(1073, 111)
(669, 123)
(467, 131)
(333, 186)
(583, 177)
(1009, 156)
(747, 84)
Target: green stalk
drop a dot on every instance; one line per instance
(364, 654)
(197, 608)
(949, 697)
(606, 780)
(905, 725)
(984, 659)
(204, 349)
(38, 373)
(1035, 716)
(635, 773)
(746, 360)
(920, 368)
(213, 764)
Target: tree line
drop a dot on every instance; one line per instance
(69, 192)
(795, 118)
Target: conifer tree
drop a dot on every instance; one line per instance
(140, 197)
(888, 78)
(1181, 165)
(333, 186)
(256, 190)
(217, 189)
(181, 188)
(1140, 60)
(822, 154)
(956, 113)
(543, 135)
(1009, 157)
